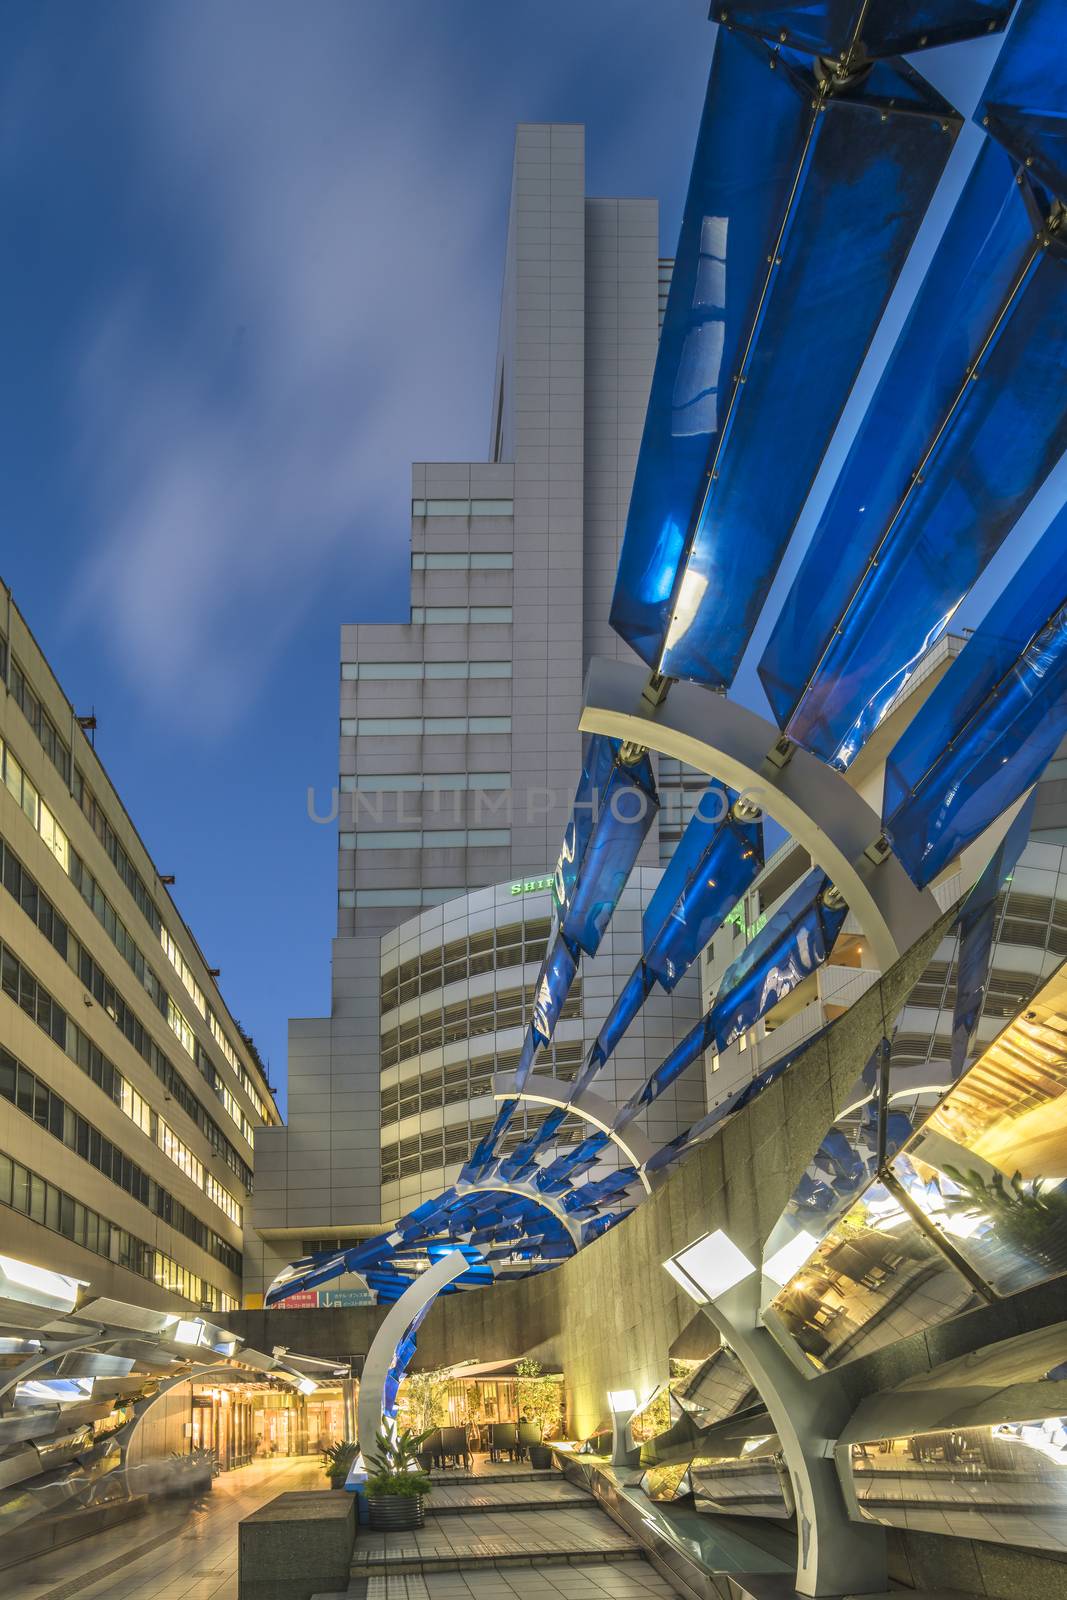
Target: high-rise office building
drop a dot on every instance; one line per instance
(460, 751)
(128, 1093)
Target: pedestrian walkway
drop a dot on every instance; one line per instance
(178, 1550)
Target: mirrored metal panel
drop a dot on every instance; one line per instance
(877, 1277)
(874, 27)
(1005, 1484)
(753, 1484)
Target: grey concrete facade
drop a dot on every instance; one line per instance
(472, 706)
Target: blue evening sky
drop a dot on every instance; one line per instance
(250, 271)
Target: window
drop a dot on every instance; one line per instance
(178, 962)
(426, 780)
(379, 726)
(222, 1198)
(421, 614)
(387, 671)
(462, 508)
(397, 897)
(461, 560)
(136, 1107)
(181, 1028)
(427, 839)
(178, 1152)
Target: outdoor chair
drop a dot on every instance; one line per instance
(454, 1446)
(529, 1433)
(432, 1447)
(503, 1436)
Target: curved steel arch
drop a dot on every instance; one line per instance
(810, 800)
(525, 1192)
(591, 1108)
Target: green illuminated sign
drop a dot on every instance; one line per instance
(737, 918)
(532, 885)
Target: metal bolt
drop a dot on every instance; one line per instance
(985, 122)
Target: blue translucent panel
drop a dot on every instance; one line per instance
(991, 725)
(720, 859)
(976, 926)
(632, 996)
(557, 1176)
(801, 210)
(614, 807)
(553, 985)
(883, 27)
(1025, 101)
(600, 1190)
(897, 548)
(523, 1158)
(482, 1154)
(788, 948)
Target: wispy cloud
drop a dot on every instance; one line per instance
(322, 193)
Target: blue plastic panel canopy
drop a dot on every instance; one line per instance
(883, 27)
(801, 209)
(553, 984)
(790, 946)
(968, 418)
(716, 861)
(991, 725)
(614, 807)
(1024, 105)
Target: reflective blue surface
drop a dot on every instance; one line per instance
(884, 27)
(716, 860)
(893, 555)
(793, 943)
(796, 225)
(1024, 100)
(553, 983)
(991, 725)
(614, 807)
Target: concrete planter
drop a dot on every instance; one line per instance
(396, 1513)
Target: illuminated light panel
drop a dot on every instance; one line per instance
(187, 1330)
(710, 1267)
(781, 1266)
(621, 1401)
(38, 1286)
(778, 258)
(969, 417)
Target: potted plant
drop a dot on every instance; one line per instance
(540, 1402)
(337, 1462)
(396, 1485)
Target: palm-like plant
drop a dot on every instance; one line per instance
(337, 1460)
(394, 1466)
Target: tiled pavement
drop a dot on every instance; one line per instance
(451, 1499)
(629, 1580)
(177, 1551)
